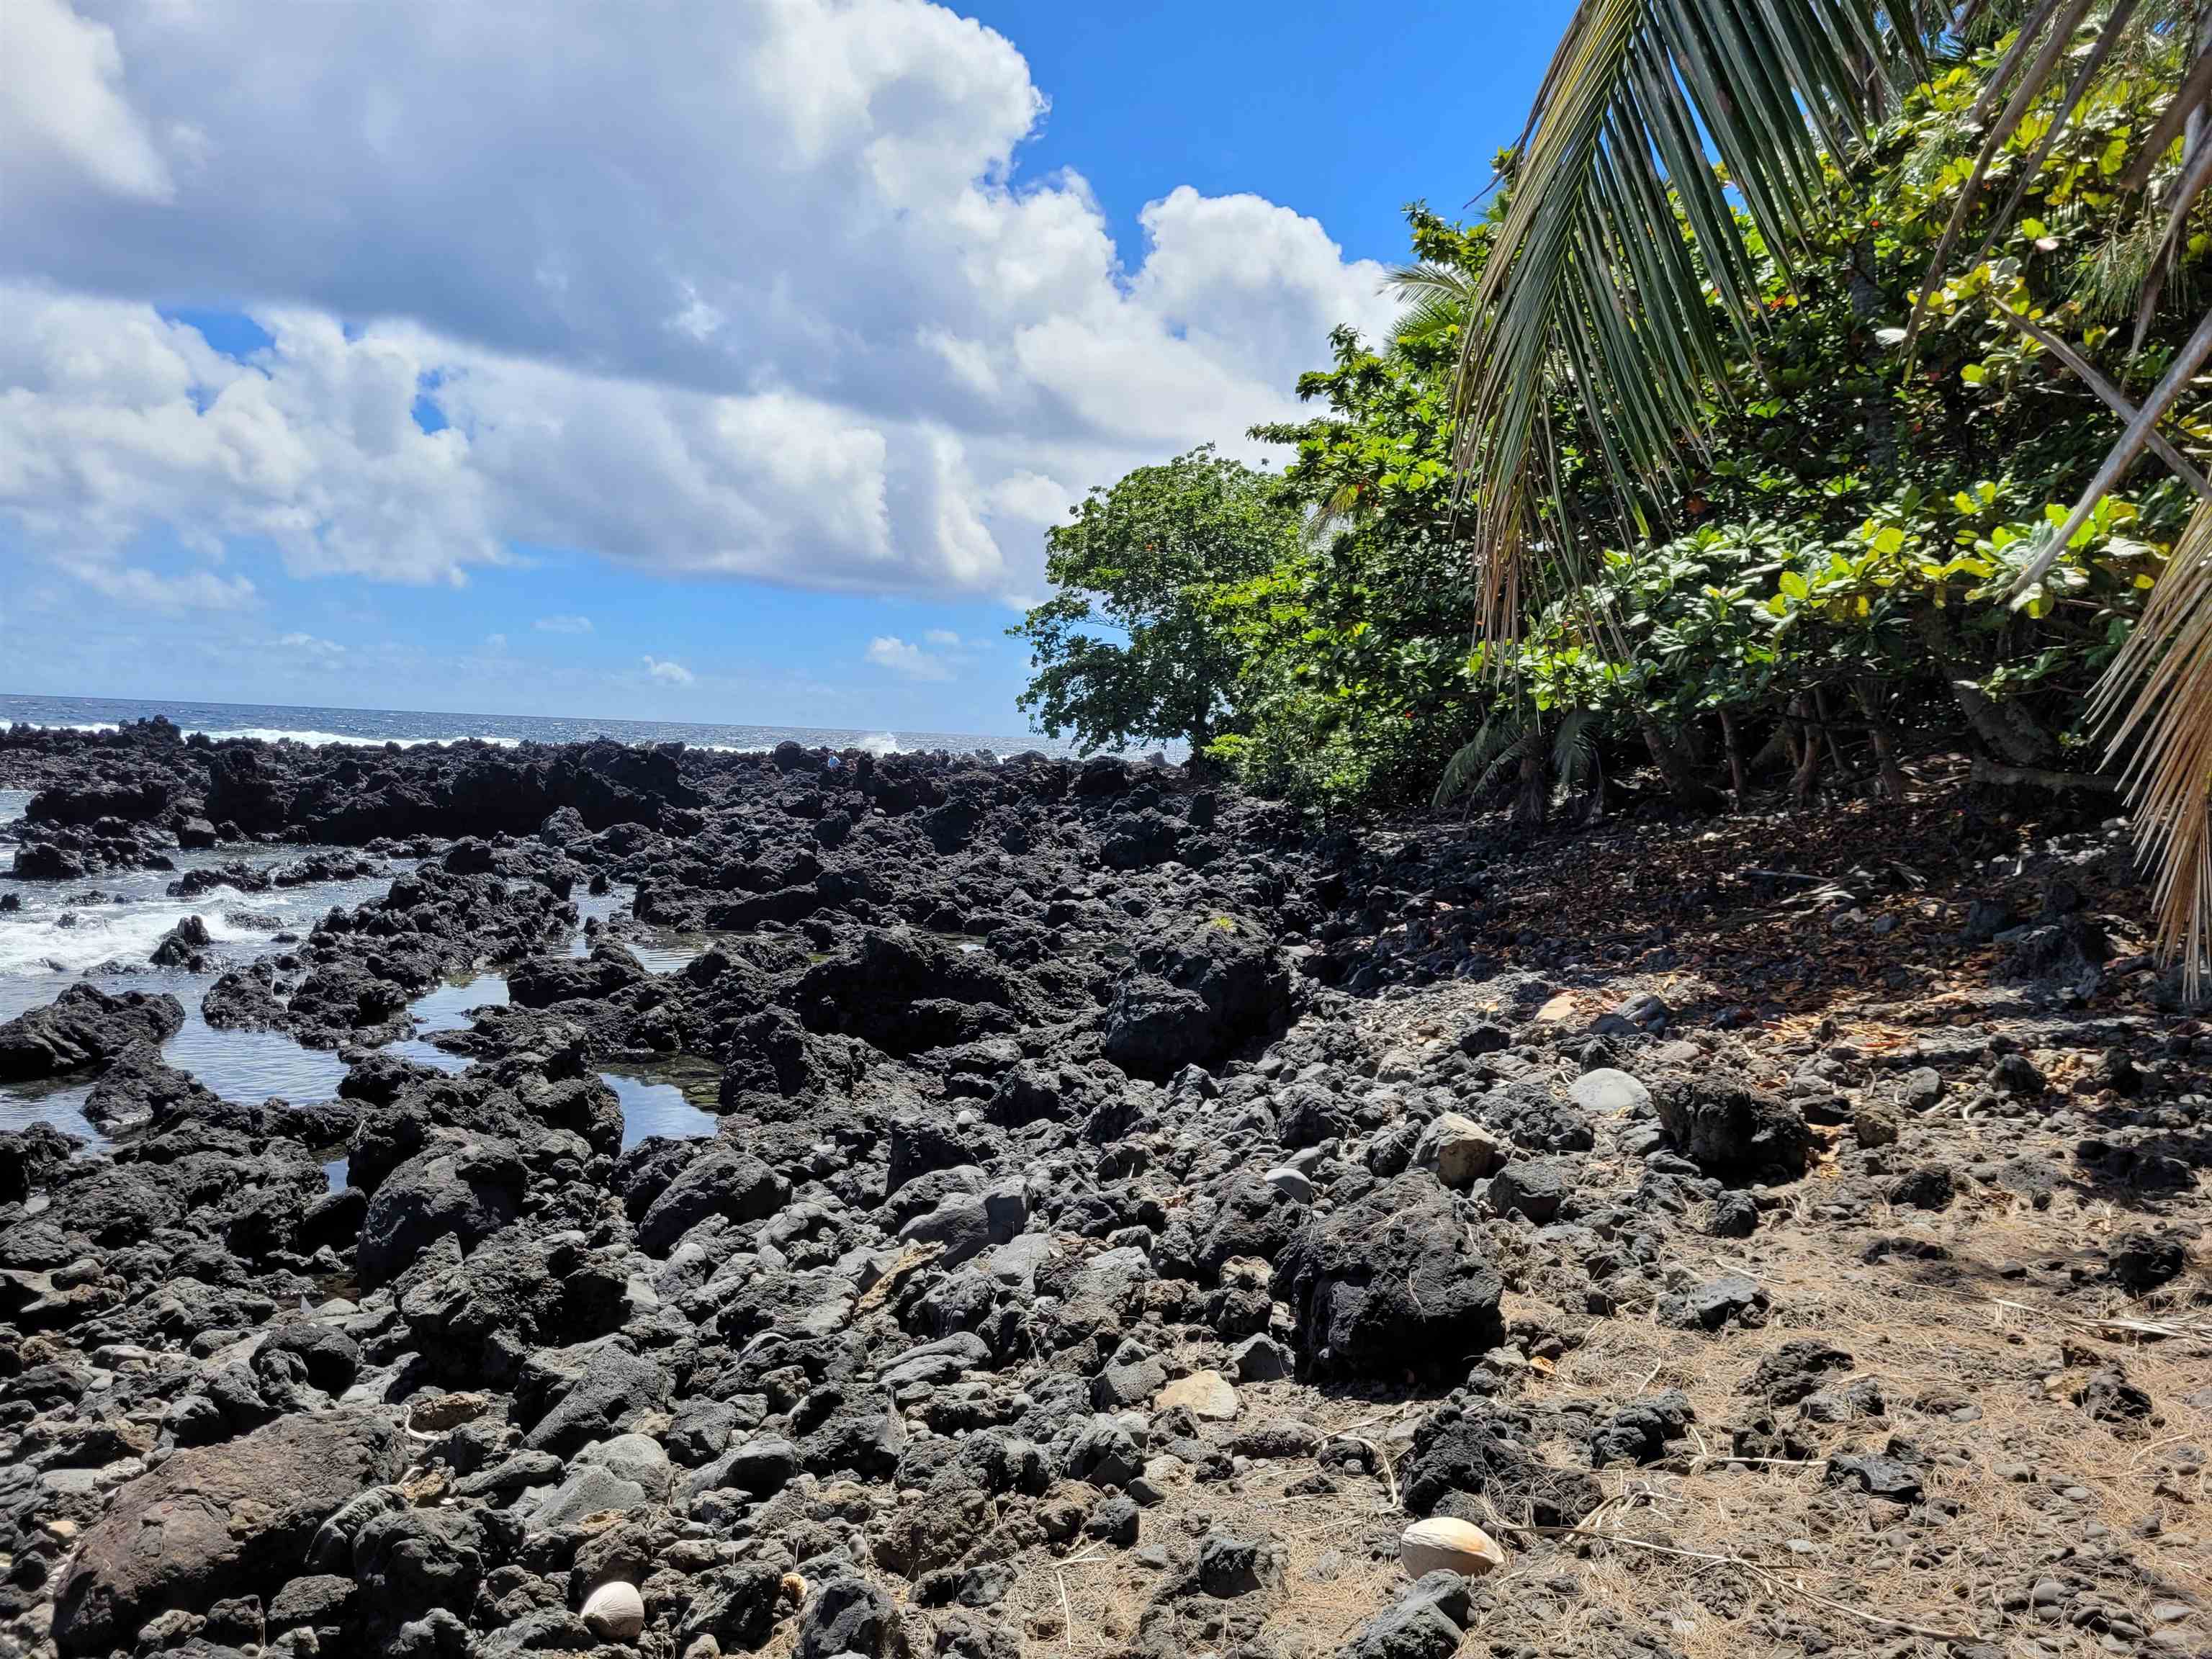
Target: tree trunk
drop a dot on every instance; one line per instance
(1804, 788)
(2008, 729)
(1733, 739)
(1885, 752)
(1675, 765)
(1835, 757)
(1533, 794)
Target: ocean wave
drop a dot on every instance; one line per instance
(281, 734)
(314, 739)
(876, 742)
(40, 944)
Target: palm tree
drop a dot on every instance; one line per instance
(1620, 273)
(1543, 753)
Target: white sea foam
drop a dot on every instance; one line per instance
(280, 734)
(38, 944)
(876, 742)
(277, 734)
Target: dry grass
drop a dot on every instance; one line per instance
(1979, 1359)
(1939, 1344)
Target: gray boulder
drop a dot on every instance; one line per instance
(233, 1519)
(470, 1193)
(1731, 1131)
(722, 1181)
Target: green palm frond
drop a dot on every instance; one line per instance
(1618, 270)
(1621, 280)
(1574, 750)
(1438, 299)
(1476, 767)
(1330, 516)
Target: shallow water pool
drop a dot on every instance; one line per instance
(666, 1097)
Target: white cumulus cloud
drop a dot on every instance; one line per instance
(63, 115)
(321, 652)
(784, 310)
(674, 673)
(903, 658)
(562, 624)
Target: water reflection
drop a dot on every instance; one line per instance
(59, 1102)
(666, 1097)
(252, 1066)
(658, 1098)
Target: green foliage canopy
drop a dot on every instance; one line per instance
(1142, 560)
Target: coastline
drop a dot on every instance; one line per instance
(313, 726)
(829, 1202)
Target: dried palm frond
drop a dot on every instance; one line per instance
(2159, 692)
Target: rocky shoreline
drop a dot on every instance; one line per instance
(1130, 1207)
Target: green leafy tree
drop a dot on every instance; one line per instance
(1621, 267)
(1132, 647)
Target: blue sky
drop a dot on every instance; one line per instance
(726, 368)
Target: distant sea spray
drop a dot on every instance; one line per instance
(274, 723)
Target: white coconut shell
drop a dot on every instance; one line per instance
(1442, 1544)
(614, 1613)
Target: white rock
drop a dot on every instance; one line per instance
(1291, 1183)
(1440, 1543)
(614, 1613)
(1461, 1151)
(1207, 1393)
(1608, 1093)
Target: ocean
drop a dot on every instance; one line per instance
(104, 930)
(273, 722)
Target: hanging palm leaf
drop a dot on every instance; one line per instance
(2158, 695)
(1593, 279)
(1438, 300)
(1618, 275)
